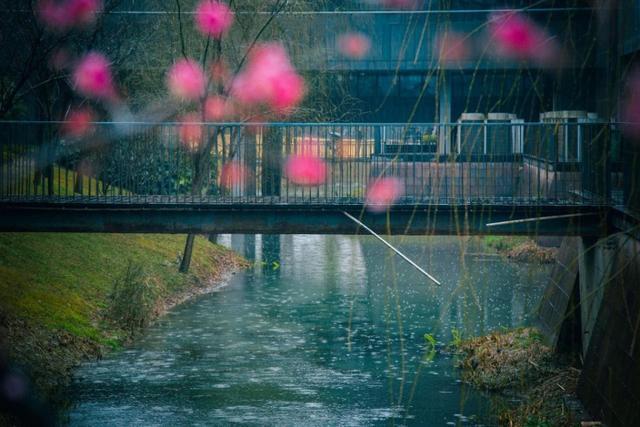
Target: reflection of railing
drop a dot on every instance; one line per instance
(163, 162)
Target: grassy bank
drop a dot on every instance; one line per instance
(520, 248)
(56, 291)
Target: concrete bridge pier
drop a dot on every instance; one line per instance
(592, 307)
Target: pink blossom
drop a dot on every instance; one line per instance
(233, 174)
(631, 106)
(306, 170)
(217, 108)
(78, 123)
(63, 15)
(452, 47)
(220, 72)
(354, 45)
(83, 12)
(382, 193)
(288, 91)
(92, 77)
(190, 131)
(186, 80)
(53, 14)
(516, 36)
(270, 79)
(213, 18)
(272, 56)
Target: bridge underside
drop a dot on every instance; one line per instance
(218, 218)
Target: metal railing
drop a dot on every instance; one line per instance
(182, 163)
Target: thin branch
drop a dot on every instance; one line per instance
(182, 45)
(276, 11)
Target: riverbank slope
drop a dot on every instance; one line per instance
(57, 293)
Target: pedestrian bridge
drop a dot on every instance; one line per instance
(458, 178)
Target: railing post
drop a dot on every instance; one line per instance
(377, 140)
(271, 161)
(250, 160)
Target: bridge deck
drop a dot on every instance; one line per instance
(208, 215)
(455, 178)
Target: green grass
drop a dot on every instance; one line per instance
(62, 281)
(503, 243)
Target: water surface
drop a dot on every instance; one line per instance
(323, 330)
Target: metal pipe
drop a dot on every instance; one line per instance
(393, 248)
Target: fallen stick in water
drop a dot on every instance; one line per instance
(393, 248)
(539, 218)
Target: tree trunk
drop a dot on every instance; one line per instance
(202, 170)
(188, 250)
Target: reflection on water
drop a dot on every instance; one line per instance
(323, 330)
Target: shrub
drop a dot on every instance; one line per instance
(132, 300)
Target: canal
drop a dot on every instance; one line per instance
(322, 330)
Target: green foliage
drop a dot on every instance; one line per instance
(456, 338)
(132, 300)
(496, 242)
(536, 422)
(429, 338)
(533, 337)
(430, 349)
(503, 243)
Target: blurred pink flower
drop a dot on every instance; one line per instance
(213, 18)
(354, 45)
(217, 108)
(382, 193)
(53, 14)
(452, 47)
(220, 72)
(83, 12)
(516, 36)
(269, 78)
(630, 109)
(288, 91)
(306, 170)
(233, 174)
(190, 131)
(78, 123)
(92, 77)
(186, 80)
(63, 15)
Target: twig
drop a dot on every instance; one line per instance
(393, 248)
(539, 218)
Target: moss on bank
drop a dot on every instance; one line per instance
(519, 363)
(521, 249)
(55, 289)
